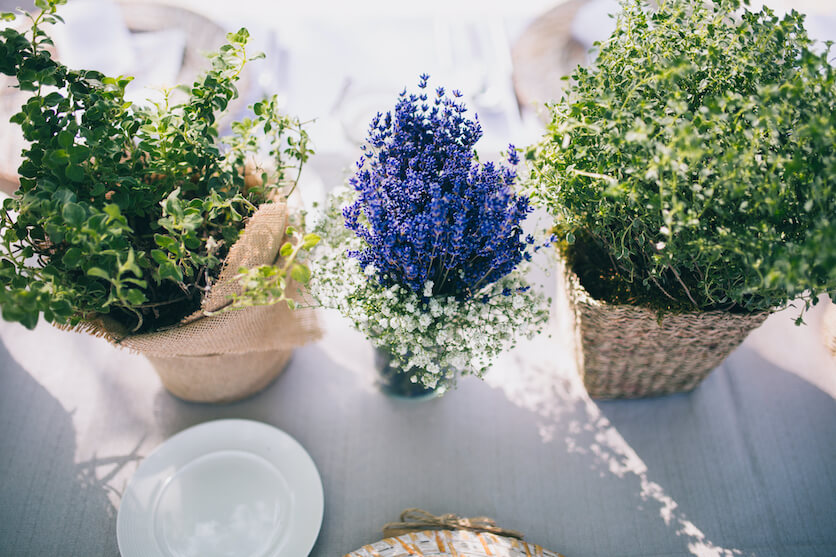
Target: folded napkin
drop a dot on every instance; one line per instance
(96, 37)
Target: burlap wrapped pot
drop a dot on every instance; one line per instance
(626, 351)
(234, 354)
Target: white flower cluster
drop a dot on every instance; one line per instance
(438, 336)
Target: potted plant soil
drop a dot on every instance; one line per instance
(690, 171)
(140, 225)
(424, 251)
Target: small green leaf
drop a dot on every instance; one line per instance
(57, 158)
(169, 270)
(74, 214)
(310, 240)
(53, 99)
(286, 249)
(158, 256)
(72, 258)
(165, 242)
(130, 264)
(29, 320)
(18, 118)
(136, 297)
(65, 139)
(78, 153)
(98, 272)
(61, 308)
(300, 273)
(137, 282)
(74, 172)
(112, 210)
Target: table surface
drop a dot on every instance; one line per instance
(745, 465)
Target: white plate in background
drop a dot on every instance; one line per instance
(226, 488)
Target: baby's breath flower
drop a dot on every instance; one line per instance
(439, 239)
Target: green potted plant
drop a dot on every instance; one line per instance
(691, 173)
(141, 225)
(424, 252)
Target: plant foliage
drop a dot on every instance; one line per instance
(126, 210)
(426, 209)
(693, 165)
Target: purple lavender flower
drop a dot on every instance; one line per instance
(426, 208)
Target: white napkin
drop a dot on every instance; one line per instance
(94, 37)
(592, 22)
(158, 57)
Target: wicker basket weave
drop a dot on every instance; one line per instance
(451, 543)
(625, 351)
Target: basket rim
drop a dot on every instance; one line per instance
(582, 296)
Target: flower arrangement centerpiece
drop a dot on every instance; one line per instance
(137, 223)
(690, 170)
(423, 252)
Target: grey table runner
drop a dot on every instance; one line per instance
(742, 466)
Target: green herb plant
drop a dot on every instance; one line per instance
(128, 211)
(693, 165)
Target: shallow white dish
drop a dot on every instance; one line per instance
(226, 488)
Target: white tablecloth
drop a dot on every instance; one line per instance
(742, 466)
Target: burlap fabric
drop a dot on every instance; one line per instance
(624, 351)
(233, 354)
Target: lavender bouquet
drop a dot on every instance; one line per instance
(423, 252)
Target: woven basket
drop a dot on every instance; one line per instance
(625, 351)
(451, 543)
(234, 354)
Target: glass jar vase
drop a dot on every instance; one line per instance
(397, 382)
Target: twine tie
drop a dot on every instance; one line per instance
(416, 520)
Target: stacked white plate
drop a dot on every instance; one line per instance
(227, 488)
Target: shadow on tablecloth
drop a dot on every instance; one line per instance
(759, 446)
(743, 466)
(32, 523)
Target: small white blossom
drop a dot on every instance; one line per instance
(434, 334)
